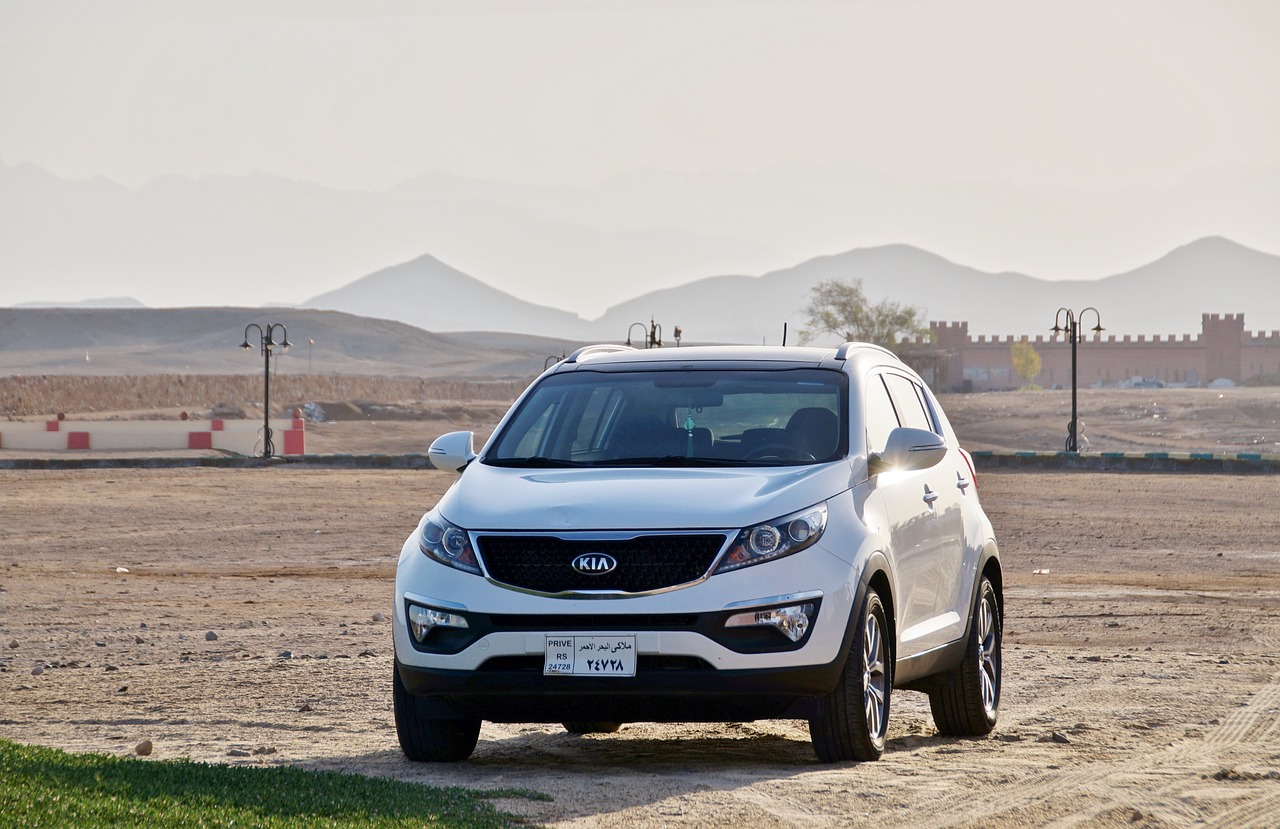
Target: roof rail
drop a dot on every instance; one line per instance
(842, 353)
(590, 350)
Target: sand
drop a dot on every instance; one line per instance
(1142, 663)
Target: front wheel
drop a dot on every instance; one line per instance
(426, 739)
(966, 700)
(855, 715)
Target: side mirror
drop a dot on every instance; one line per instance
(452, 451)
(908, 449)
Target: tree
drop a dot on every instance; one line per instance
(841, 308)
(1026, 362)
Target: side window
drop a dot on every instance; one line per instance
(881, 419)
(907, 402)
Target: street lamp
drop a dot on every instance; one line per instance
(268, 341)
(653, 337)
(632, 328)
(1072, 330)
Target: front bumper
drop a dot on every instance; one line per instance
(664, 689)
(690, 665)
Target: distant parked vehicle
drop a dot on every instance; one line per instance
(703, 534)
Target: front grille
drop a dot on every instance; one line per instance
(648, 562)
(593, 621)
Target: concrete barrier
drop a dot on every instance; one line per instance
(1206, 462)
(243, 437)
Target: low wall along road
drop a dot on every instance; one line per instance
(243, 437)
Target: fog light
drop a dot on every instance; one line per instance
(423, 619)
(792, 622)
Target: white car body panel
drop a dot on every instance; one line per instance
(637, 499)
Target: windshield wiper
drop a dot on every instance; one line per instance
(536, 462)
(674, 460)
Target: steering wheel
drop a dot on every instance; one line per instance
(778, 451)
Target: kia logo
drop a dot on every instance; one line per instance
(595, 564)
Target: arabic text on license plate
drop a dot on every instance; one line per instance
(590, 655)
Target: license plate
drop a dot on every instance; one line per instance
(590, 656)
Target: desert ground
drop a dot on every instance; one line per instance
(241, 616)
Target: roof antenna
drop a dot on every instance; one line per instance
(784, 334)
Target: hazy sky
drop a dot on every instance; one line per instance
(1095, 97)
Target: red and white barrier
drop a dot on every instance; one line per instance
(244, 437)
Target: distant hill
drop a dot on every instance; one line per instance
(104, 302)
(257, 238)
(706, 251)
(246, 237)
(1168, 296)
(753, 309)
(207, 340)
(431, 295)
(1165, 297)
(379, 323)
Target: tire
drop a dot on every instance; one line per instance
(855, 715)
(424, 739)
(966, 700)
(583, 727)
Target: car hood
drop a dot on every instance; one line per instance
(494, 498)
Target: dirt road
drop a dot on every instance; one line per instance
(1142, 669)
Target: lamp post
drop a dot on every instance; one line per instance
(653, 337)
(1072, 330)
(268, 342)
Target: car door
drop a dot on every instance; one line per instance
(929, 545)
(910, 518)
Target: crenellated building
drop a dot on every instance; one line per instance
(955, 361)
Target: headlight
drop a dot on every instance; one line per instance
(448, 544)
(775, 539)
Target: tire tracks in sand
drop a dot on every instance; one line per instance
(1194, 780)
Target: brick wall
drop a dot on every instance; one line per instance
(1222, 349)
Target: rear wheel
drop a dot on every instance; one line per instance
(855, 716)
(582, 727)
(423, 738)
(966, 700)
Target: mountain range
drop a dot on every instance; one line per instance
(260, 239)
(256, 239)
(424, 318)
(1168, 296)
(530, 259)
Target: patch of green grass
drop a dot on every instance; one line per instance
(45, 787)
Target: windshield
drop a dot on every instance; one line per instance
(678, 418)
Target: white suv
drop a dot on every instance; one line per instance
(702, 535)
